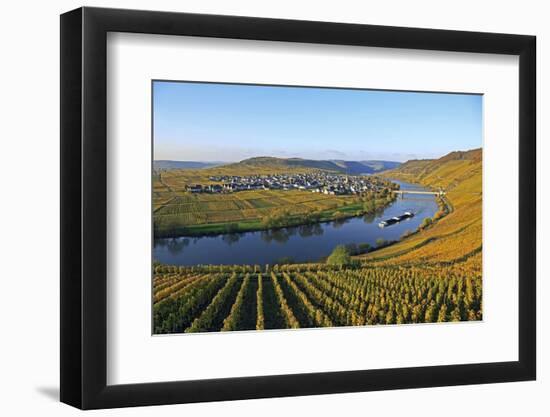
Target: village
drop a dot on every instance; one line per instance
(317, 182)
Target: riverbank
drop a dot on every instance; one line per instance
(340, 213)
(456, 235)
(302, 243)
(445, 208)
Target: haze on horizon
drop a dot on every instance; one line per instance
(232, 122)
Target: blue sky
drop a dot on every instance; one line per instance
(231, 122)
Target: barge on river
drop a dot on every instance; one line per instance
(396, 219)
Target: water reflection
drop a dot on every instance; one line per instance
(277, 235)
(310, 230)
(231, 238)
(299, 244)
(176, 245)
(369, 218)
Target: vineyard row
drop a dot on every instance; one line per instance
(301, 298)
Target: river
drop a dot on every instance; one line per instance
(301, 243)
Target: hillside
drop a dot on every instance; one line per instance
(365, 167)
(457, 237)
(381, 165)
(446, 172)
(434, 275)
(167, 165)
(177, 179)
(266, 163)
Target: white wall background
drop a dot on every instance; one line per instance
(29, 219)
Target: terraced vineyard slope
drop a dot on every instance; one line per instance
(222, 298)
(455, 237)
(179, 212)
(431, 275)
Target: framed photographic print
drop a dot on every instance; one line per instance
(258, 207)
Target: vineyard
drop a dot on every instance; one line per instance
(455, 237)
(244, 205)
(432, 275)
(177, 213)
(225, 298)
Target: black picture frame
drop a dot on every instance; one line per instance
(84, 207)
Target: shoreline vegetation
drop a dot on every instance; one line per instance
(444, 209)
(433, 274)
(180, 213)
(281, 219)
(346, 254)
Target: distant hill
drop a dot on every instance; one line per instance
(366, 167)
(165, 164)
(264, 163)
